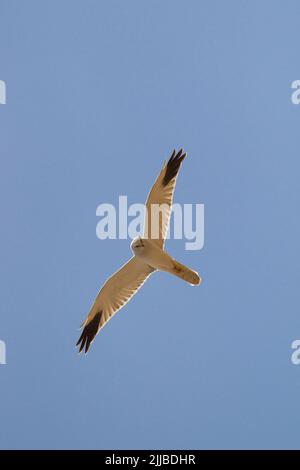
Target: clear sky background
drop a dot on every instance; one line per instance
(98, 94)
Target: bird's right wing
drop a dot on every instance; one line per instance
(160, 199)
(115, 293)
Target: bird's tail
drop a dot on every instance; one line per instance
(184, 273)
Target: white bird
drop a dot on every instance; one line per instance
(148, 256)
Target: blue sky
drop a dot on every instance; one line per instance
(98, 94)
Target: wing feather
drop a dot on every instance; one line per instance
(115, 293)
(160, 199)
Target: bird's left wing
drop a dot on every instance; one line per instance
(160, 199)
(115, 293)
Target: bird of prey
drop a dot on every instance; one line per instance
(148, 256)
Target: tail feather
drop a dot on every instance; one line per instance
(185, 273)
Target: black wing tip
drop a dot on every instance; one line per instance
(89, 332)
(173, 165)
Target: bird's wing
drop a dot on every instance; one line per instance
(161, 196)
(115, 293)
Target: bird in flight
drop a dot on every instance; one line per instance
(148, 256)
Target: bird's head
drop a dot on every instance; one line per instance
(137, 245)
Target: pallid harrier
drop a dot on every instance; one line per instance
(148, 256)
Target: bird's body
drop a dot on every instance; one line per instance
(151, 254)
(160, 260)
(148, 256)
